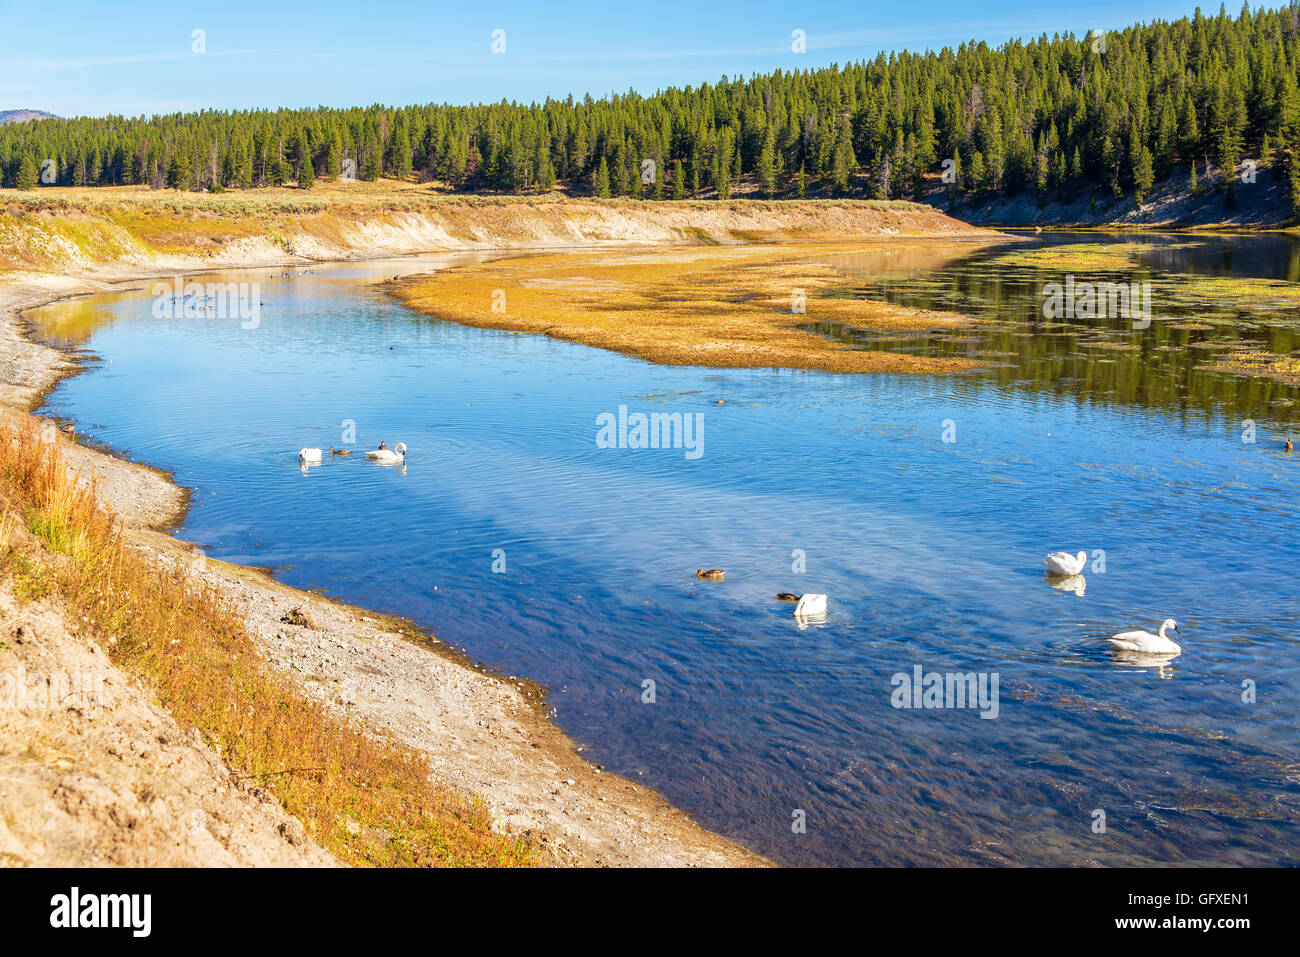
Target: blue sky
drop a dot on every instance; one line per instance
(132, 58)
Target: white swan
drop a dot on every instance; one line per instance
(395, 454)
(1063, 563)
(810, 604)
(1148, 644)
(309, 456)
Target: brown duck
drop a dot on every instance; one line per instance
(340, 451)
(710, 574)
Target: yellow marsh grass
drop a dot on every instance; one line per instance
(370, 802)
(713, 306)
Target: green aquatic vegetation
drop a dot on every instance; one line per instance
(1073, 257)
(1118, 346)
(1240, 293)
(1267, 365)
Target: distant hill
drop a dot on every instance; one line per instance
(20, 116)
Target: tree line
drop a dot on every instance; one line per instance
(1055, 117)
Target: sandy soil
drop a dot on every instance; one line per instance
(102, 776)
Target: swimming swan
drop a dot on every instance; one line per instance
(1063, 563)
(395, 454)
(309, 456)
(810, 605)
(1147, 643)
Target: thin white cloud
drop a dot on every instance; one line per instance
(86, 63)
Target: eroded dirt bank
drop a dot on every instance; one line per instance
(95, 774)
(86, 232)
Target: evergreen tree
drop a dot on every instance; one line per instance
(180, 175)
(722, 179)
(306, 173)
(767, 166)
(843, 162)
(600, 183)
(1293, 176)
(399, 153)
(333, 162)
(544, 169)
(371, 168)
(1143, 170)
(244, 168)
(27, 175)
(976, 174)
(228, 163)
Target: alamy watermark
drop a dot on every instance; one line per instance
(654, 430)
(75, 909)
(946, 690)
(214, 300)
(1098, 300)
(21, 690)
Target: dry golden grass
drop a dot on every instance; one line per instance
(338, 195)
(179, 232)
(369, 802)
(716, 306)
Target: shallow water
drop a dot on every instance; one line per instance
(931, 552)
